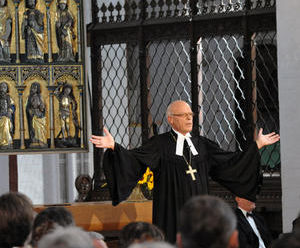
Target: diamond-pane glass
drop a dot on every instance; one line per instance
(226, 96)
(121, 93)
(168, 77)
(264, 61)
(218, 82)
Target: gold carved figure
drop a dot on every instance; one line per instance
(65, 36)
(7, 110)
(33, 31)
(35, 112)
(5, 31)
(67, 108)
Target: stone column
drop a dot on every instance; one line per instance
(4, 175)
(288, 35)
(53, 190)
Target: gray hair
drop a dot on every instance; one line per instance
(168, 112)
(169, 108)
(96, 235)
(206, 221)
(152, 244)
(68, 237)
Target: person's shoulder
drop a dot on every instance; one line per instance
(238, 212)
(259, 216)
(200, 138)
(160, 137)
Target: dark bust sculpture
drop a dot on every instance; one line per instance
(83, 184)
(7, 110)
(35, 112)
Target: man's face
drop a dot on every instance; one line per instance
(181, 117)
(245, 204)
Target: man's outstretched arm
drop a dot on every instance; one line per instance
(267, 139)
(106, 141)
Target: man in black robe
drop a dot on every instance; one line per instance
(179, 173)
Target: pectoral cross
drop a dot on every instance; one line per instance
(192, 172)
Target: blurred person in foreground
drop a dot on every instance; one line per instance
(152, 244)
(47, 220)
(16, 217)
(98, 240)
(287, 240)
(66, 237)
(207, 222)
(139, 232)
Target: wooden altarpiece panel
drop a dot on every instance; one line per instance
(42, 77)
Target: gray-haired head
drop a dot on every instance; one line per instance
(206, 221)
(172, 105)
(152, 244)
(49, 219)
(67, 237)
(139, 232)
(96, 235)
(287, 240)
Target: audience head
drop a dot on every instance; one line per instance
(16, 216)
(66, 237)
(152, 244)
(98, 240)
(48, 219)
(245, 204)
(138, 232)
(287, 240)
(207, 221)
(296, 224)
(180, 117)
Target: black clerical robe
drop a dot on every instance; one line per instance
(238, 171)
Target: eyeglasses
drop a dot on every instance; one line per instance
(184, 115)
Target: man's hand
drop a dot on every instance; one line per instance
(106, 141)
(265, 140)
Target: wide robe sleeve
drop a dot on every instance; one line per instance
(237, 171)
(124, 168)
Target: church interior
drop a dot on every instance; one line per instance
(70, 68)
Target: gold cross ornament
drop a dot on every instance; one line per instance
(192, 172)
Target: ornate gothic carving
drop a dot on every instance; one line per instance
(40, 50)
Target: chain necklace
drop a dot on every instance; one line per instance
(190, 171)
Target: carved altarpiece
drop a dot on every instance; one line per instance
(42, 57)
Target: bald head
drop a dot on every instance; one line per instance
(180, 116)
(174, 106)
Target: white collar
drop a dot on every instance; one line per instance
(180, 142)
(244, 212)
